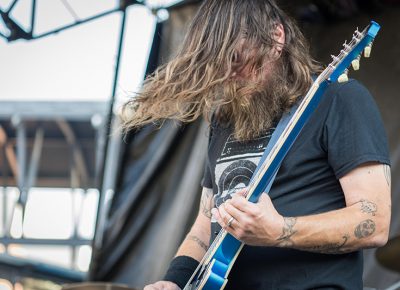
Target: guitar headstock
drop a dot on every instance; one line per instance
(351, 54)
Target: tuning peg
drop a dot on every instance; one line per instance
(344, 77)
(357, 34)
(346, 46)
(367, 50)
(334, 58)
(356, 63)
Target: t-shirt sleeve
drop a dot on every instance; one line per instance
(354, 131)
(206, 181)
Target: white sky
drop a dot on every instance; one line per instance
(75, 64)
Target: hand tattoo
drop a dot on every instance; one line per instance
(364, 229)
(287, 232)
(368, 207)
(199, 242)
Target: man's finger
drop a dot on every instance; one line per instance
(225, 216)
(217, 216)
(233, 211)
(266, 200)
(242, 204)
(242, 192)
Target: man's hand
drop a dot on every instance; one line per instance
(162, 285)
(257, 224)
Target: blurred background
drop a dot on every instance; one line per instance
(78, 201)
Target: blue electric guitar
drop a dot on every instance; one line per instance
(213, 270)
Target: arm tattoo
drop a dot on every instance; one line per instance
(368, 207)
(364, 229)
(386, 172)
(199, 242)
(287, 232)
(206, 203)
(332, 248)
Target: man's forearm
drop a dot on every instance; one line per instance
(196, 242)
(195, 245)
(361, 225)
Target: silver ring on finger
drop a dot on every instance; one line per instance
(230, 222)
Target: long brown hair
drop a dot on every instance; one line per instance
(190, 84)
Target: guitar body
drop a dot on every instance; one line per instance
(213, 271)
(221, 263)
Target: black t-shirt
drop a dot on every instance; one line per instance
(345, 131)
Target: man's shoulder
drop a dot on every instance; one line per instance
(347, 90)
(348, 95)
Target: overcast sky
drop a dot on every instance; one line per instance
(76, 64)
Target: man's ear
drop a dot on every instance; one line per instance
(279, 37)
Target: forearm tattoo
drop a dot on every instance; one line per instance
(364, 229)
(206, 203)
(332, 248)
(287, 232)
(199, 242)
(368, 207)
(386, 172)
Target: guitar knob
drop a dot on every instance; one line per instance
(367, 50)
(344, 77)
(356, 63)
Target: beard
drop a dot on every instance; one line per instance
(253, 107)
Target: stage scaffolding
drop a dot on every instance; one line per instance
(48, 145)
(58, 145)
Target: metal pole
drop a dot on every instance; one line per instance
(12, 6)
(21, 157)
(4, 186)
(35, 160)
(21, 161)
(33, 16)
(57, 30)
(107, 130)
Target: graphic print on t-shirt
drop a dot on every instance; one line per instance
(236, 164)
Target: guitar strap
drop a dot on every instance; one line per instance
(274, 138)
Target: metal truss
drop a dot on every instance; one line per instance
(24, 171)
(16, 32)
(29, 121)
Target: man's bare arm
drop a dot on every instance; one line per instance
(363, 223)
(197, 241)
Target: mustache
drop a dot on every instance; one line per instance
(252, 107)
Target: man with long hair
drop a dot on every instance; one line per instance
(242, 65)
